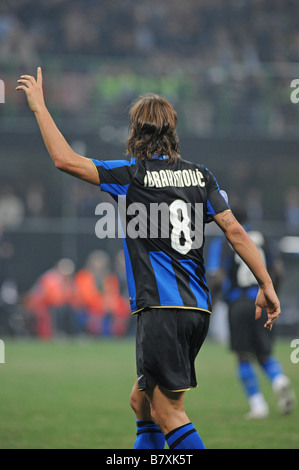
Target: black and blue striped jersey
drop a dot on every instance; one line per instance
(166, 209)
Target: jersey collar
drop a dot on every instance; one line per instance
(155, 156)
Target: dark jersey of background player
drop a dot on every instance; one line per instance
(165, 270)
(239, 282)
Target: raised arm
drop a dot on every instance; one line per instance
(246, 249)
(63, 156)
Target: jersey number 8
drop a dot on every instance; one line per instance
(180, 221)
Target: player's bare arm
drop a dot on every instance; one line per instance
(63, 156)
(246, 249)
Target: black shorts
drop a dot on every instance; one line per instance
(167, 343)
(248, 335)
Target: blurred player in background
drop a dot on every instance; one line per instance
(248, 339)
(165, 272)
(50, 301)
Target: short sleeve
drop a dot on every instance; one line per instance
(115, 175)
(217, 200)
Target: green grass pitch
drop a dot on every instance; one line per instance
(75, 395)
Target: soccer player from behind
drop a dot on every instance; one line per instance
(164, 263)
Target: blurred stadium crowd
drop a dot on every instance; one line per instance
(230, 31)
(230, 57)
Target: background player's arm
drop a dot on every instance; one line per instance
(246, 249)
(63, 156)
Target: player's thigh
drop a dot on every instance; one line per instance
(158, 393)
